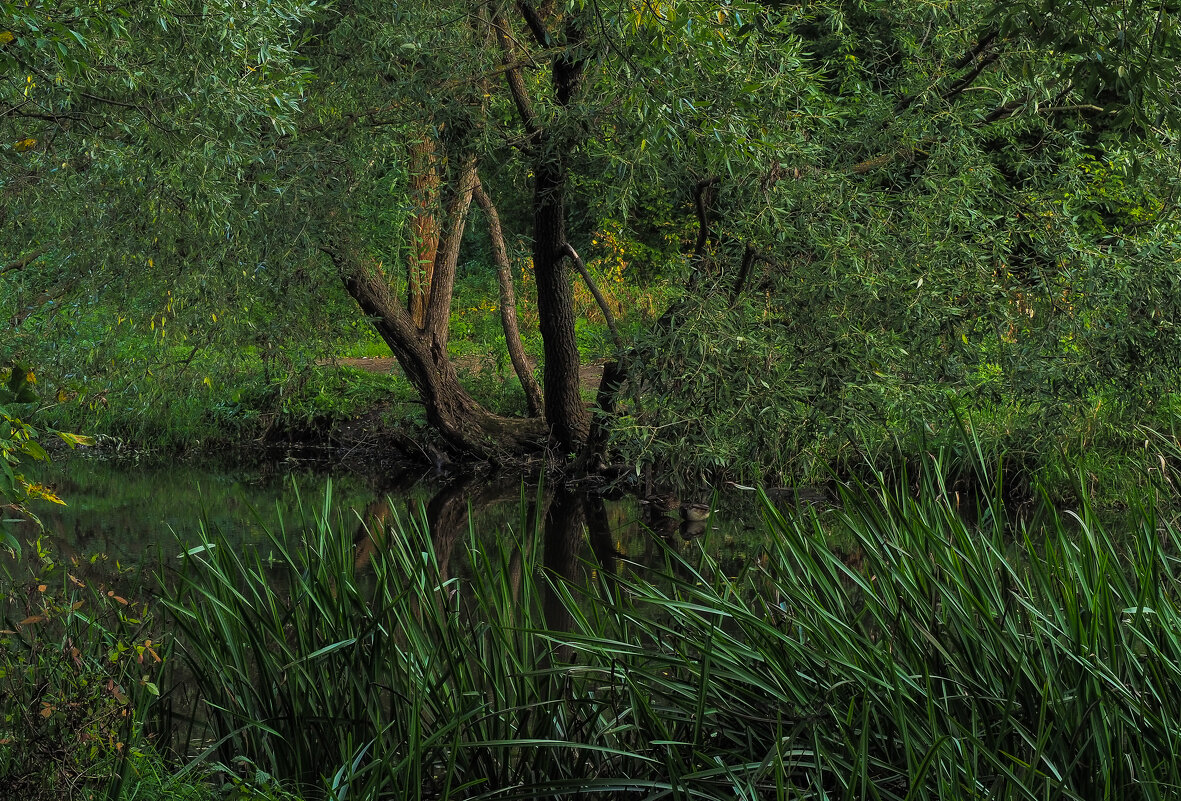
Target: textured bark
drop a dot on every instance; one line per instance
(424, 228)
(547, 143)
(508, 305)
(462, 422)
(565, 412)
(438, 313)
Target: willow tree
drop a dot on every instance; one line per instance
(353, 138)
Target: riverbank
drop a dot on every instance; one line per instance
(361, 414)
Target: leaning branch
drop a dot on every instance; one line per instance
(569, 250)
(438, 312)
(508, 304)
(535, 24)
(23, 262)
(513, 78)
(963, 83)
(977, 52)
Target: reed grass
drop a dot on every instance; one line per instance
(1024, 654)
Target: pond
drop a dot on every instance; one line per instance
(121, 515)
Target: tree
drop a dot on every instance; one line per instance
(824, 147)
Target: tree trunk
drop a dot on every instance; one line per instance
(508, 305)
(463, 423)
(565, 412)
(424, 228)
(438, 312)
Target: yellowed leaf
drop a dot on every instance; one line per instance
(44, 493)
(75, 439)
(24, 144)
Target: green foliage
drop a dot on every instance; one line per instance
(79, 669)
(1011, 656)
(79, 672)
(922, 246)
(18, 447)
(908, 201)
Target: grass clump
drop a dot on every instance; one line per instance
(1031, 653)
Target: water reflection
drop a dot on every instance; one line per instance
(145, 515)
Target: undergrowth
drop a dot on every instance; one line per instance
(1031, 653)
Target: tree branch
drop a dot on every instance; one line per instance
(569, 250)
(514, 80)
(972, 54)
(23, 262)
(508, 304)
(967, 80)
(535, 24)
(438, 312)
(701, 204)
(748, 260)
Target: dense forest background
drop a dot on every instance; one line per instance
(797, 234)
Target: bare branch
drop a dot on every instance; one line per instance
(508, 304)
(569, 250)
(438, 311)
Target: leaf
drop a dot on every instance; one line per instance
(74, 440)
(24, 144)
(35, 450)
(31, 619)
(41, 492)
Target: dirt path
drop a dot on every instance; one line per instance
(589, 374)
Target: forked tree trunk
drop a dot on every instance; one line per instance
(464, 424)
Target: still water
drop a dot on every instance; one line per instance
(144, 515)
